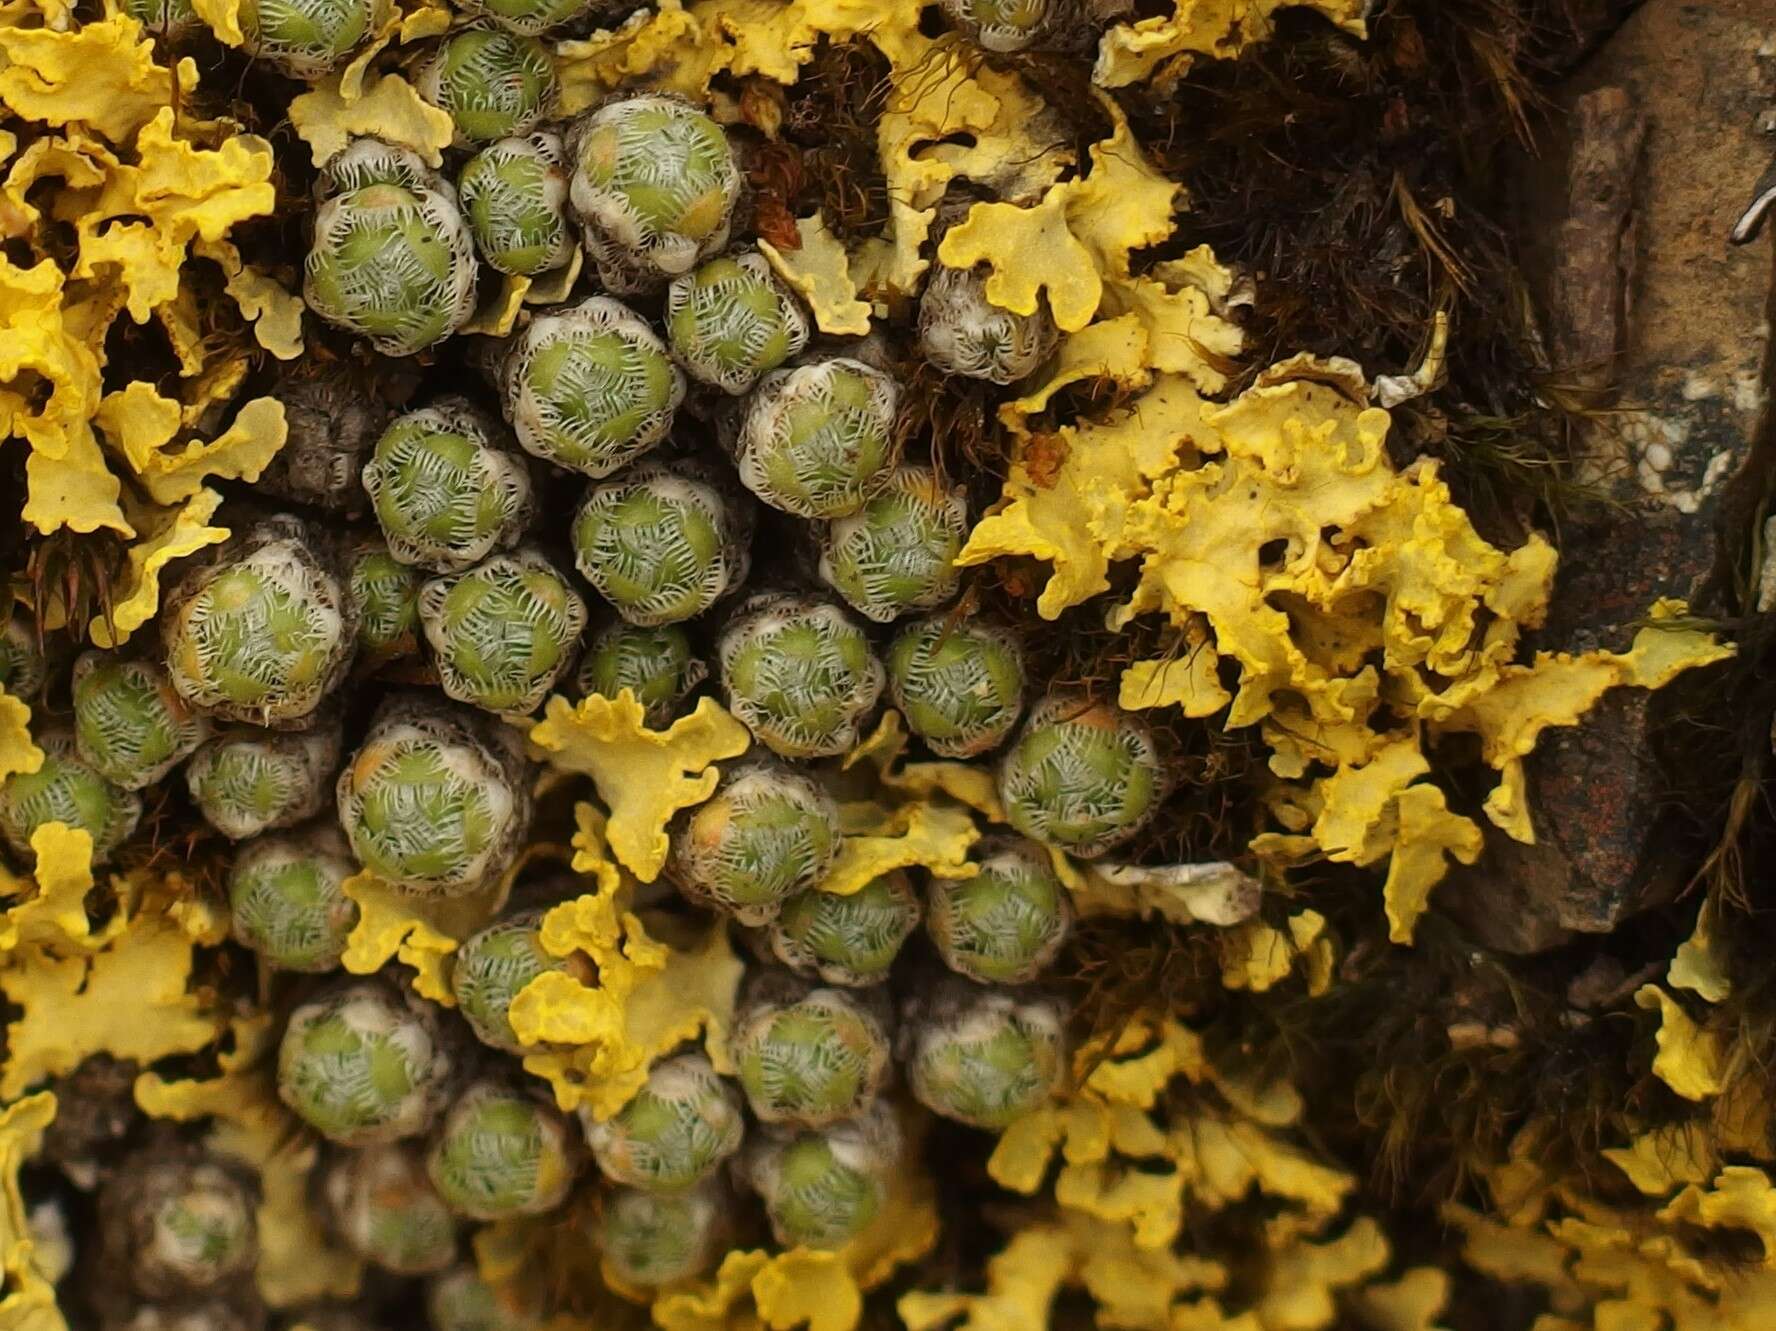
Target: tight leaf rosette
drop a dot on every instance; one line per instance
(657, 664)
(246, 781)
(800, 673)
(649, 1239)
(1005, 924)
(65, 789)
(491, 82)
(661, 544)
(383, 1205)
(364, 1063)
(179, 1223)
(732, 320)
(768, 832)
(504, 632)
(958, 682)
(286, 900)
(654, 184)
(306, 38)
(898, 552)
(851, 939)
(819, 440)
(981, 1056)
(962, 332)
(809, 1055)
(675, 1132)
(502, 1151)
(262, 629)
(822, 1188)
(445, 491)
(385, 592)
(200, 1315)
(589, 387)
(333, 413)
(130, 724)
(1008, 25)
(1082, 776)
(436, 799)
(392, 259)
(530, 17)
(460, 1300)
(491, 968)
(22, 665)
(170, 20)
(514, 195)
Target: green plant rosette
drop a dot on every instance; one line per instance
(493, 83)
(657, 664)
(819, 440)
(306, 38)
(501, 1152)
(383, 1205)
(434, 800)
(590, 387)
(654, 185)
(1005, 924)
(262, 631)
(363, 1064)
(650, 1239)
(514, 194)
(65, 789)
(732, 320)
(661, 545)
(285, 899)
(809, 1056)
(898, 552)
(800, 673)
(445, 490)
(504, 632)
(766, 833)
(848, 940)
(1081, 776)
(246, 781)
(985, 1057)
(677, 1130)
(130, 724)
(392, 259)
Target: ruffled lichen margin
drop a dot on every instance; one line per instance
(1386, 625)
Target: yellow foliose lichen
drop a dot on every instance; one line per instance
(644, 776)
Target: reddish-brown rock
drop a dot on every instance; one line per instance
(1651, 316)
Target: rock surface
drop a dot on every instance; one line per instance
(1655, 321)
